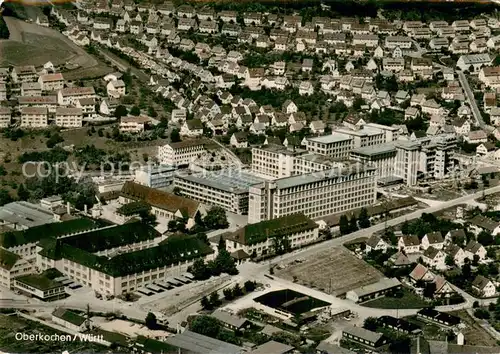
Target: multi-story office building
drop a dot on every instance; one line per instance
(277, 161)
(225, 188)
(436, 156)
(382, 157)
(181, 153)
(316, 194)
(257, 239)
(69, 117)
(339, 144)
(274, 161)
(159, 176)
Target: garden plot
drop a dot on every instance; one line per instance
(334, 271)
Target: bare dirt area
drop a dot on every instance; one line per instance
(30, 44)
(475, 334)
(334, 271)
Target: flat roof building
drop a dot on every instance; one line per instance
(226, 188)
(373, 291)
(315, 194)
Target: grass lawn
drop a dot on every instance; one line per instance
(409, 300)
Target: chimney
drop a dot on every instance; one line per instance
(418, 345)
(68, 209)
(85, 208)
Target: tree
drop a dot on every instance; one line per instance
(22, 192)
(485, 238)
(449, 261)
(216, 219)
(199, 269)
(152, 112)
(371, 324)
(214, 299)
(151, 321)
(4, 30)
(228, 294)
(222, 243)
(364, 220)
(429, 290)
(5, 197)
(206, 325)
(205, 303)
(353, 224)
(3, 171)
(481, 314)
(197, 218)
(120, 111)
(237, 291)
(225, 263)
(147, 218)
(249, 286)
(475, 260)
(135, 111)
(54, 140)
(175, 136)
(344, 225)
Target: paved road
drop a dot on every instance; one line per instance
(252, 271)
(123, 65)
(470, 98)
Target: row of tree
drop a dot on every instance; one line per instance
(348, 225)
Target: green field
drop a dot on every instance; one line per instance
(409, 300)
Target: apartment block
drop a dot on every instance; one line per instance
(181, 153)
(69, 117)
(31, 89)
(34, 117)
(24, 74)
(5, 117)
(71, 95)
(316, 195)
(49, 102)
(51, 82)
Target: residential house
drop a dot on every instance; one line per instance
(34, 117)
(409, 243)
(474, 248)
(421, 273)
(456, 253)
(432, 239)
(376, 243)
(70, 320)
(476, 137)
(239, 140)
(192, 128)
(116, 88)
(484, 287)
(481, 223)
(434, 258)
(134, 124)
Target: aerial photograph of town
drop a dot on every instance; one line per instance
(260, 177)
